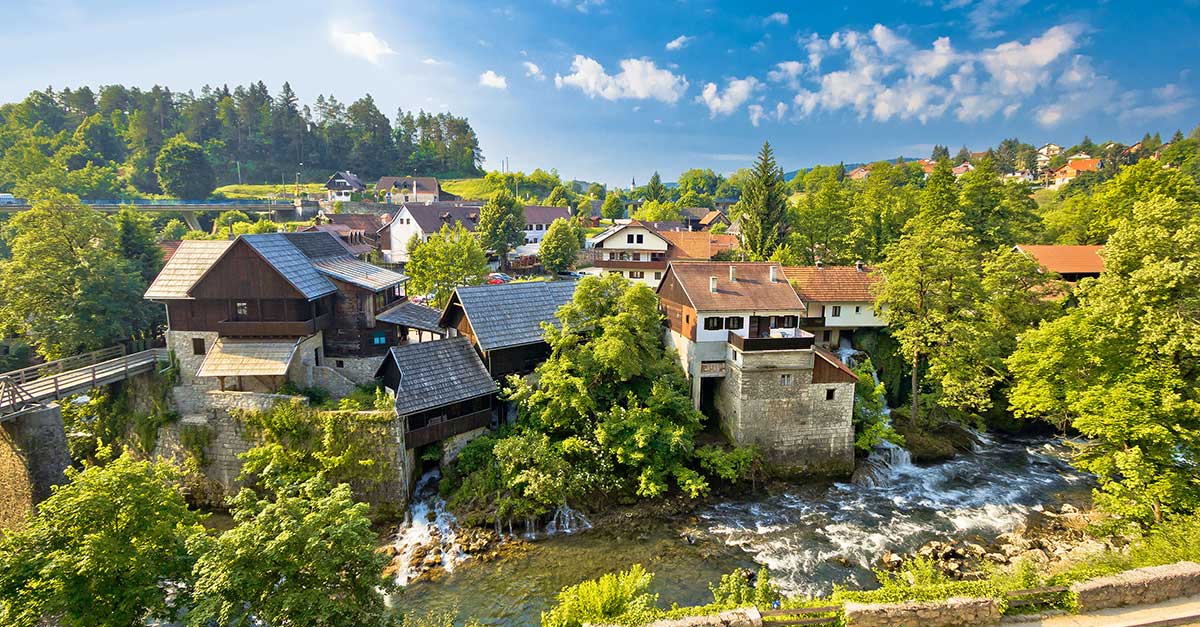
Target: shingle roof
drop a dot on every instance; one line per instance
(191, 260)
(697, 244)
(537, 214)
(291, 263)
(753, 290)
(511, 314)
(344, 234)
(431, 216)
(425, 184)
(316, 244)
(1065, 259)
(329, 256)
(412, 315)
(367, 222)
(833, 283)
(711, 217)
(229, 358)
(433, 374)
(351, 179)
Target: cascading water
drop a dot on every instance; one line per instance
(428, 538)
(567, 520)
(884, 463)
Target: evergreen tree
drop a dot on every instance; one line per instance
(963, 156)
(939, 153)
(655, 190)
(762, 211)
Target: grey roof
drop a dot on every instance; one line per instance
(412, 315)
(292, 264)
(316, 244)
(511, 314)
(352, 181)
(433, 374)
(357, 272)
(538, 214)
(191, 260)
(425, 184)
(431, 216)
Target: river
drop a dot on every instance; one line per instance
(810, 537)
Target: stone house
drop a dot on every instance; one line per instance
(736, 330)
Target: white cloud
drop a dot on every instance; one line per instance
(533, 71)
(432, 61)
(787, 72)
(1021, 68)
(583, 6)
(776, 18)
(493, 80)
(679, 42)
(639, 79)
(757, 113)
(736, 93)
(781, 109)
(984, 14)
(364, 45)
(934, 61)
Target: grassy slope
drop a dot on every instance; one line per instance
(469, 189)
(265, 191)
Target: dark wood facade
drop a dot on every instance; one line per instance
(500, 362)
(676, 307)
(355, 332)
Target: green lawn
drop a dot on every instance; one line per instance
(468, 189)
(266, 191)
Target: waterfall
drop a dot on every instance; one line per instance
(881, 467)
(427, 539)
(567, 520)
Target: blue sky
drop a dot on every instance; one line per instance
(614, 89)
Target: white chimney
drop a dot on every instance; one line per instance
(819, 264)
(732, 274)
(774, 276)
(712, 284)
(858, 265)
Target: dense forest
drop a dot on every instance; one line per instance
(106, 143)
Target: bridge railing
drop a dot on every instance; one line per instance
(50, 368)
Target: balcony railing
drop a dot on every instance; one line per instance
(272, 328)
(661, 264)
(447, 428)
(813, 321)
(749, 344)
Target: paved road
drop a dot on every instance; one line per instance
(1184, 611)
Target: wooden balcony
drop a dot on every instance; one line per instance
(630, 265)
(813, 321)
(750, 344)
(439, 431)
(273, 328)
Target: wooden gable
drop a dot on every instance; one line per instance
(676, 306)
(241, 273)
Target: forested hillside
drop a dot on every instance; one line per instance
(107, 142)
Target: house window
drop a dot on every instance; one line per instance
(639, 238)
(528, 227)
(857, 309)
(687, 319)
(785, 379)
(197, 346)
(657, 276)
(837, 311)
(629, 238)
(656, 256)
(826, 335)
(788, 322)
(540, 227)
(241, 310)
(734, 322)
(636, 274)
(379, 339)
(713, 323)
(830, 393)
(340, 363)
(637, 256)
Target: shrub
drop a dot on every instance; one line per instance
(730, 465)
(613, 597)
(734, 589)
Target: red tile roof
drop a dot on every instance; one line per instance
(168, 249)
(833, 283)
(1065, 259)
(752, 291)
(697, 244)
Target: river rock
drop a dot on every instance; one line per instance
(891, 561)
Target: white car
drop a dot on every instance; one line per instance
(7, 199)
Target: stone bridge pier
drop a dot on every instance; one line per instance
(33, 456)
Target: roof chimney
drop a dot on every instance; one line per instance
(774, 276)
(819, 264)
(732, 274)
(858, 265)
(712, 284)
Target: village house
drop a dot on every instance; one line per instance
(640, 251)
(504, 321)
(342, 186)
(962, 168)
(395, 190)
(1073, 168)
(357, 231)
(736, 330)
(1046, 154)
(538, 220)
(422, 220)
(838, 300)
(1071, 263)
(713, 218)
(441, 392)
(253, 313)
(859, 173)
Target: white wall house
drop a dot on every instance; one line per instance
(633, 250)
(838, 299)
(422, 220)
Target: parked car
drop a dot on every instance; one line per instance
(570, 275)
(8, 199)
(496, 278)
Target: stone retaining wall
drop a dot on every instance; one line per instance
(1138, 587)
(741, 617)
(949, 613)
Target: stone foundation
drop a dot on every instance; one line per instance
(741, 617)
(360, 370)
(16, 499)
(958, 612)
(1139, 587)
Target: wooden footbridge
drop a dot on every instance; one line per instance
(30, 388)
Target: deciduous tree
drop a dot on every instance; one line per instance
(560, 247)
(183, 170)
(449, 258)
(501, 226)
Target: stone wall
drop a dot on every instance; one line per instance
(180, 343)
(949, 613)
(768, 399)
(1139, 586)
(16, 499)
(454, 444)
(360, 370)
(330, 380)
(42, 441)
(741, 617)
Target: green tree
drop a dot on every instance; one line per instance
(229, 218)
(940, 198)
(173, 230)
(183, 170)
(67, 289)
(100, 550)
(701, 182)
(501, 226)
(822, 225)
(558, 197)
(136, 239)
(930, 280)
(560, 247)
(762, 211)
(1121, 368)
(307, 557)
(613, 207)
(878, 213)
(655, 190)
(656, 211)
(449, 258)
